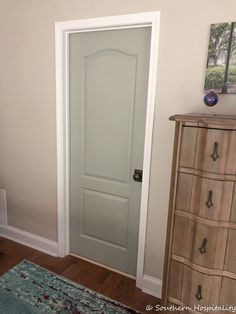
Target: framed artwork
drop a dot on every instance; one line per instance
(221, 59)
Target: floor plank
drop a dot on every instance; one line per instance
(97, 278)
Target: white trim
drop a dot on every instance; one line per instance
(3, 207)
(62, 145)
(29, 239)
(152, 285)
(152, 80)
(109, 22)
(62, 29)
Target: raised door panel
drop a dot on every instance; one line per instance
(211, 199)
(103, 137)
(184, 190)
(228, 292)
(187, 147)
(200, 289)
(209, 245)
(104, 218)
(179, 236)
(230, 260)
(215, 151)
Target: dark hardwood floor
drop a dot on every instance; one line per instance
(102, 280)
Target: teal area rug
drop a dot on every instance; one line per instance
(28, 288)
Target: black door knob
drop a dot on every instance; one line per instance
(138, 175)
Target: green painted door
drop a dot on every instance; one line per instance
(108, 79)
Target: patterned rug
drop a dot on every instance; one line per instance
(28, 288)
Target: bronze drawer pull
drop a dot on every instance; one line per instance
(215, 154)
(199, 293)
(202, 249)
(209, 202)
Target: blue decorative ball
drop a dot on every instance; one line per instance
(210, 99)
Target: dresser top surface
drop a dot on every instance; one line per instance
(205, 118)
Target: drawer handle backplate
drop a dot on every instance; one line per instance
(202, 249)
(215, 154)
(209, 202)
(199, 293)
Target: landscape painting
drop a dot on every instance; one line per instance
(221, 59)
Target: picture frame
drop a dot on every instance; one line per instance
(221, 59)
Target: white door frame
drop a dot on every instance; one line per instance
(62, 31)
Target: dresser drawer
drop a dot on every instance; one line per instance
(211, 199)
(200, 289)
(202, 244)
(206, 198)
(228, 292)
(208, 245)
(215, 151)
(211, 150)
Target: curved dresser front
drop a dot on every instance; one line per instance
(200, 263)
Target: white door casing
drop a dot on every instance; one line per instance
(62, 30)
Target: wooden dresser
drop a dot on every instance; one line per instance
(200, 261)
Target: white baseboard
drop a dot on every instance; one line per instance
(152, 285)
(29, 239)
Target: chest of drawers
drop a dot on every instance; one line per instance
(200, 260)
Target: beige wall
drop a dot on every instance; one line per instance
(27, 101)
